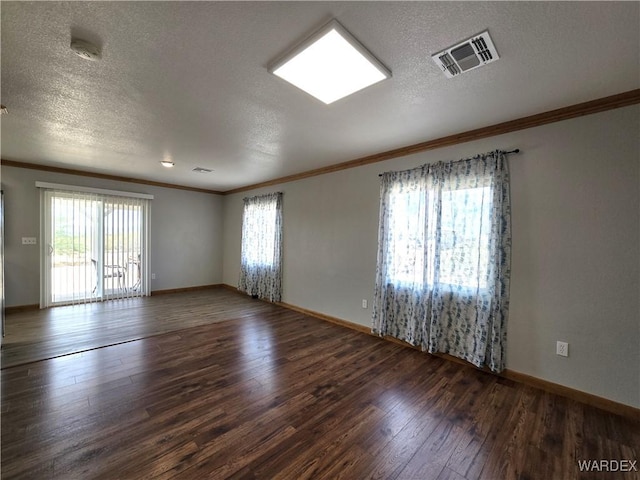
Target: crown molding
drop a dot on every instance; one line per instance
(625, 99)
(82, 173)
(632, 97)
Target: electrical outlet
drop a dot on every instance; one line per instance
(153, 276)
(29, 241)
(562, 349)
(364, 303)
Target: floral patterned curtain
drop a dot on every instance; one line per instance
(444, 254)
(261, 258)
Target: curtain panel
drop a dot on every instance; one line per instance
(261, 254)
(444, 250)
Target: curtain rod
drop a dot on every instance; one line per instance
(515, 150)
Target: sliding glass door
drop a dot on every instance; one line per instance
(94, 247)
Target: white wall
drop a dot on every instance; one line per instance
(186, 233)
(575, 259)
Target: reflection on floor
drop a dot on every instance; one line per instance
(40, 334)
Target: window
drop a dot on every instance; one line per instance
(406, 250)
(464, 238)
(94, 244)
(260, 265)
(444, 243)
(260, 234)
(455, 233)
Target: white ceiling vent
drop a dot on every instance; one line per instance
(202, 170)
(472, 53)
(85, 50)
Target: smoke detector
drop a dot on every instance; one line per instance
(468, 55)
(85, 50)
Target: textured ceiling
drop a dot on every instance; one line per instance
(188, 81)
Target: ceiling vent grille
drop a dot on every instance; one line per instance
(472, 53)
(202, 170)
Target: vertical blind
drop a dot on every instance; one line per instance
(94, 245)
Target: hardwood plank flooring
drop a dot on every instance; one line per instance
(40, 334)
(275, 394)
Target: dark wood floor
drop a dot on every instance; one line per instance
(279, 395)
(40, 334)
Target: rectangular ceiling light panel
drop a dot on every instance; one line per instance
(330, 65)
